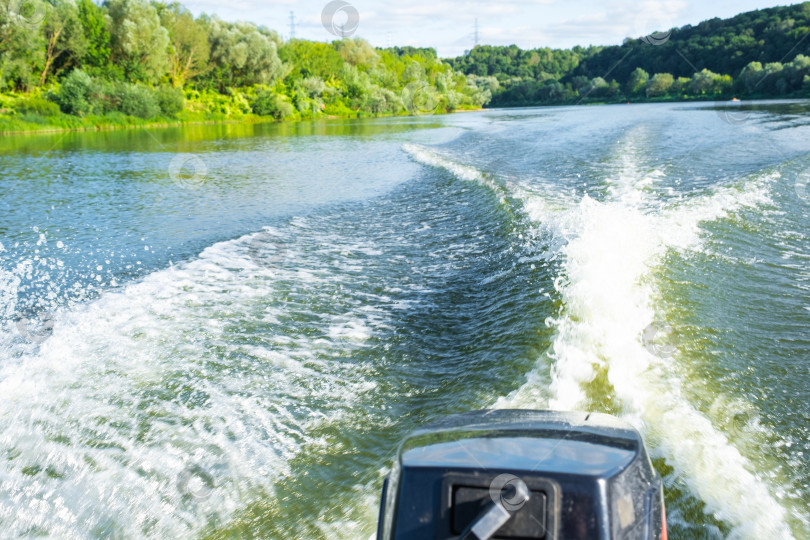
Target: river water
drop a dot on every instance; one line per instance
(224, 331)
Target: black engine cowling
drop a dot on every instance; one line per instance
(523, 474)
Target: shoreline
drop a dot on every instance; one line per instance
(113, 127)
(715, 100)
(248, 119)
(253, 119)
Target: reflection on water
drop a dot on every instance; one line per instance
(142, 139)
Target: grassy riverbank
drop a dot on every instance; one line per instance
(26, 113)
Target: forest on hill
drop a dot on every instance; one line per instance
(758, 54)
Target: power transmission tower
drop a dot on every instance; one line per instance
(476, 31)
(292, 25)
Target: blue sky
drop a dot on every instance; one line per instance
(448, 25)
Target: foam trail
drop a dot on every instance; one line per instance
(608, 289)
(611, 249)
(608, 292)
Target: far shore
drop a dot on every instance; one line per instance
(255, 119)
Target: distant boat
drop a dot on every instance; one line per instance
(735, 99)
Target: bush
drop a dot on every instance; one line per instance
(170, 100)
(116, 118)
(74, 93)
(39, 106)
(382, 100)
(103, 97)
(451, 101)
(271, 104)
(136, 100)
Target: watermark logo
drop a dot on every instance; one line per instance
(35, 329)
(731, 112)
(509, 491)
(645, 21)
(742, 421)
(657, 38)
(266, 249)
(340, 18)
(29, 12)
(188, 170)
(419, 97)
(196, 483)
(652, 337)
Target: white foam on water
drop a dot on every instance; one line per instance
(465, 172)
(533, 203)
(145, 415)
(610, 251)
(608, 291)
(9, 284)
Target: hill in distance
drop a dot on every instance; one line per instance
(758, 54)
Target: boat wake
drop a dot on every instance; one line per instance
(610, 348)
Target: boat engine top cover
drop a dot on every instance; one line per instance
(523, 474)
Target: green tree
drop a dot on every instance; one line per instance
(680, 86)
(704, 81)
(722, 84)
(268, 103)
(311, 59)
(356, 84)
(581, 83)
(22, 48)
(357, 52)
(313, 86)
(751, 76)
(382, 100)
(139, 42)
(597, 87)
(189, 49)
(65, 43)
(660, 84)
(637, 82)
(770, 76)
(243, 55)
(170, 100)
(96, 36)
(795, 72)
(136, 100)
(414, 71)
(74, 96)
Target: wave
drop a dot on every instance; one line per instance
(170, 404)
(149, 411)
(605, 338)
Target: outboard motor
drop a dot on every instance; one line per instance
(523, 474)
